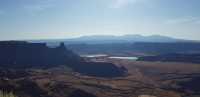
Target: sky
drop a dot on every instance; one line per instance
(54, 19)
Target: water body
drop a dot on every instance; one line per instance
(95, 55)
(110, 57)
(124, 58)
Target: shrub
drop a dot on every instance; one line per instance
(6, 94)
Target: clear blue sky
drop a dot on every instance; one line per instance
(43, 19)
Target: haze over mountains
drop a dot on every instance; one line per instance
(124, 38)
(101, 39)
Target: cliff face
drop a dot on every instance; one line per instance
(23, 54)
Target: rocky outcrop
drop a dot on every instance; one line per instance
(24, 55)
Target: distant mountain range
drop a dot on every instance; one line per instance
(125, 38)
(101, 39)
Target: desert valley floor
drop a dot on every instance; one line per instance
(144, 79)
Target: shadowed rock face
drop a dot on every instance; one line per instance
(99, 69)
(192, 84)
(80, 93)
(25, 55)
(21, 55)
